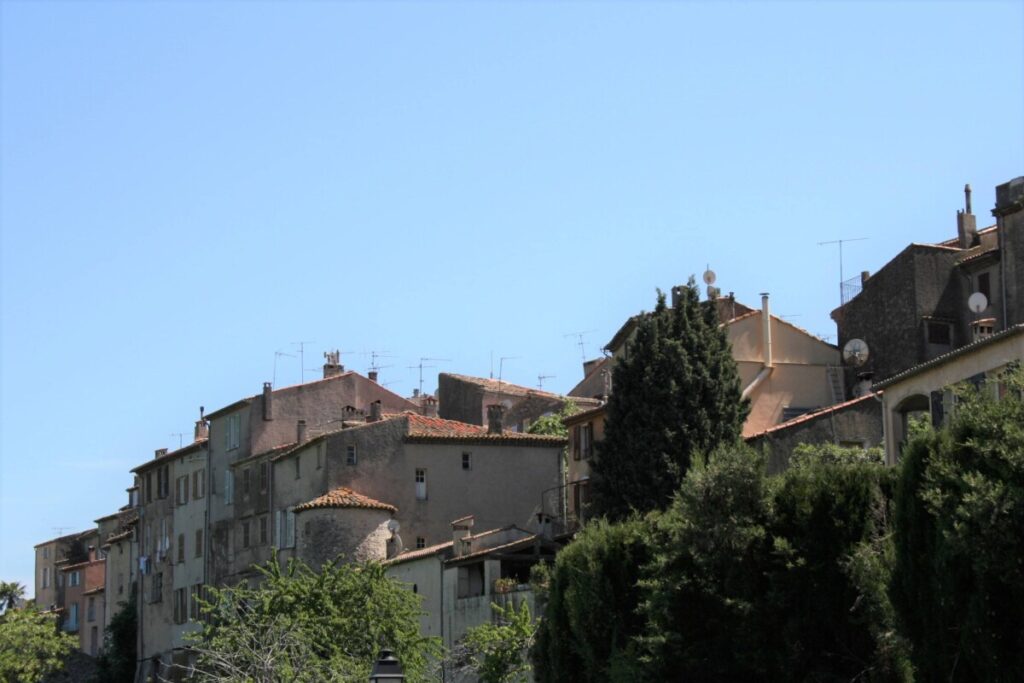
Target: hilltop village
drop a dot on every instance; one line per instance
(454, 494)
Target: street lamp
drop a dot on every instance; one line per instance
(387, 668)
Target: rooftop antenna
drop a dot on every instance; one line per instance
(421, 366)
(181, 437)
(374, 367)
(541, 378)
(278, 354)
(61, 529)
(501, 367)
(302, 358)
(579, 342)
(840, 243)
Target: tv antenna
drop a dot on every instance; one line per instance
(579, 342)
(541, 378)
(278, 354)
(302, 358)
(421, 366)
(61, 529)
(840, 242)
(374, 356)
(181, 437)
(501, 367)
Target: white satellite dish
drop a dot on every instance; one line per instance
(709, 277)
(977, 302)
(394, 526)
(855, 352)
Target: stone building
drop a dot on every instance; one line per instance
(916, 308)
(430, 470)
(49, 557)
(466, 399)
(83, 581)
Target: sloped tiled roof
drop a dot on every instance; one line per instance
(342, 497)
(184, 450)
(814, 414)
(423, 428)
(499, 386)
(418, 553)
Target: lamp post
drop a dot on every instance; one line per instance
(387, 668)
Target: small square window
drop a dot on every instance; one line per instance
(421, 542)
(467, 461)
(350, 455)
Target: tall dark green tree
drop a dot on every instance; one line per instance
(117, 663)
(675, 395)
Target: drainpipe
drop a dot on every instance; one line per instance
(766, 343)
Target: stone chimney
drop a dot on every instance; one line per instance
(333, 366)
(495, 413)
(268, 401)
(159, 453)
(588, 366)
(429, 406)
(461, 530)
(966, 223)
(372, 374)
(375, 412)
(864, 276)
(202, 430)
(300, 431)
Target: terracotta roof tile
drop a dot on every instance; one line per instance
(342, 497)
(800, 419)
(423, 428)
(417, 553)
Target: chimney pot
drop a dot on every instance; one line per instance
(202, 430)
(300, 431)
(495, 414)
(375, 411)
(429, 406)
(268, 401)
(159, 453)
(766, 330)
(461, 530)
(864, 275)
(333, 366)
(372, 374)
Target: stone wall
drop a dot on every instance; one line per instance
(356, 535)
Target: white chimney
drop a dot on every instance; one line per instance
(766, 330)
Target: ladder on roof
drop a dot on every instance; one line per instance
(835, 383)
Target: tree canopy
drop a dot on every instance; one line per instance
(676, 394)
(303, 626)
(31, 647)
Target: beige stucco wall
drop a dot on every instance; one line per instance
(989, 359)
(423, 576)
(122, 562)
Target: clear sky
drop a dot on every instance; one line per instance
(187, 188)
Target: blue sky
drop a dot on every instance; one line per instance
(186, 188)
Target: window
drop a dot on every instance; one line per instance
(199, 542)
(421, 484)
(939, 333)
(46, 553)
(46, 577)
(60, 580)
(94, 640)
(165, 538)
(180, 606)
(286, 528)
(298, 466)
(199, 484)
(193, 602)
(72, 623)
(467, 460)
(350, 455)
(576, 442)
(586, 440)
(264, 476)
(421, 542)
(246, 476)
(157, 588)
(232, 434)
(263, 530)
(90, 610)
(163, 482)
(149, 487)
(181, 548)
(245, 534)
(181, 490)
(75, 578)
(471, 580)
(229, 487)
(985, 285)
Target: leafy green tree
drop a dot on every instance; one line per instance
(676, 395)
(592, 595)
(31, 647)
(302, 626)
(117, 663)
(834, 454)
(958, 584)
(551, 425)
(498, 652)
(10, 593)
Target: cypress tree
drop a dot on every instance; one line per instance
(676, 395)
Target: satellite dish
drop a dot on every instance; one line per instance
(977, 302)
(855, 352)
(709, 277)
(393, 526)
